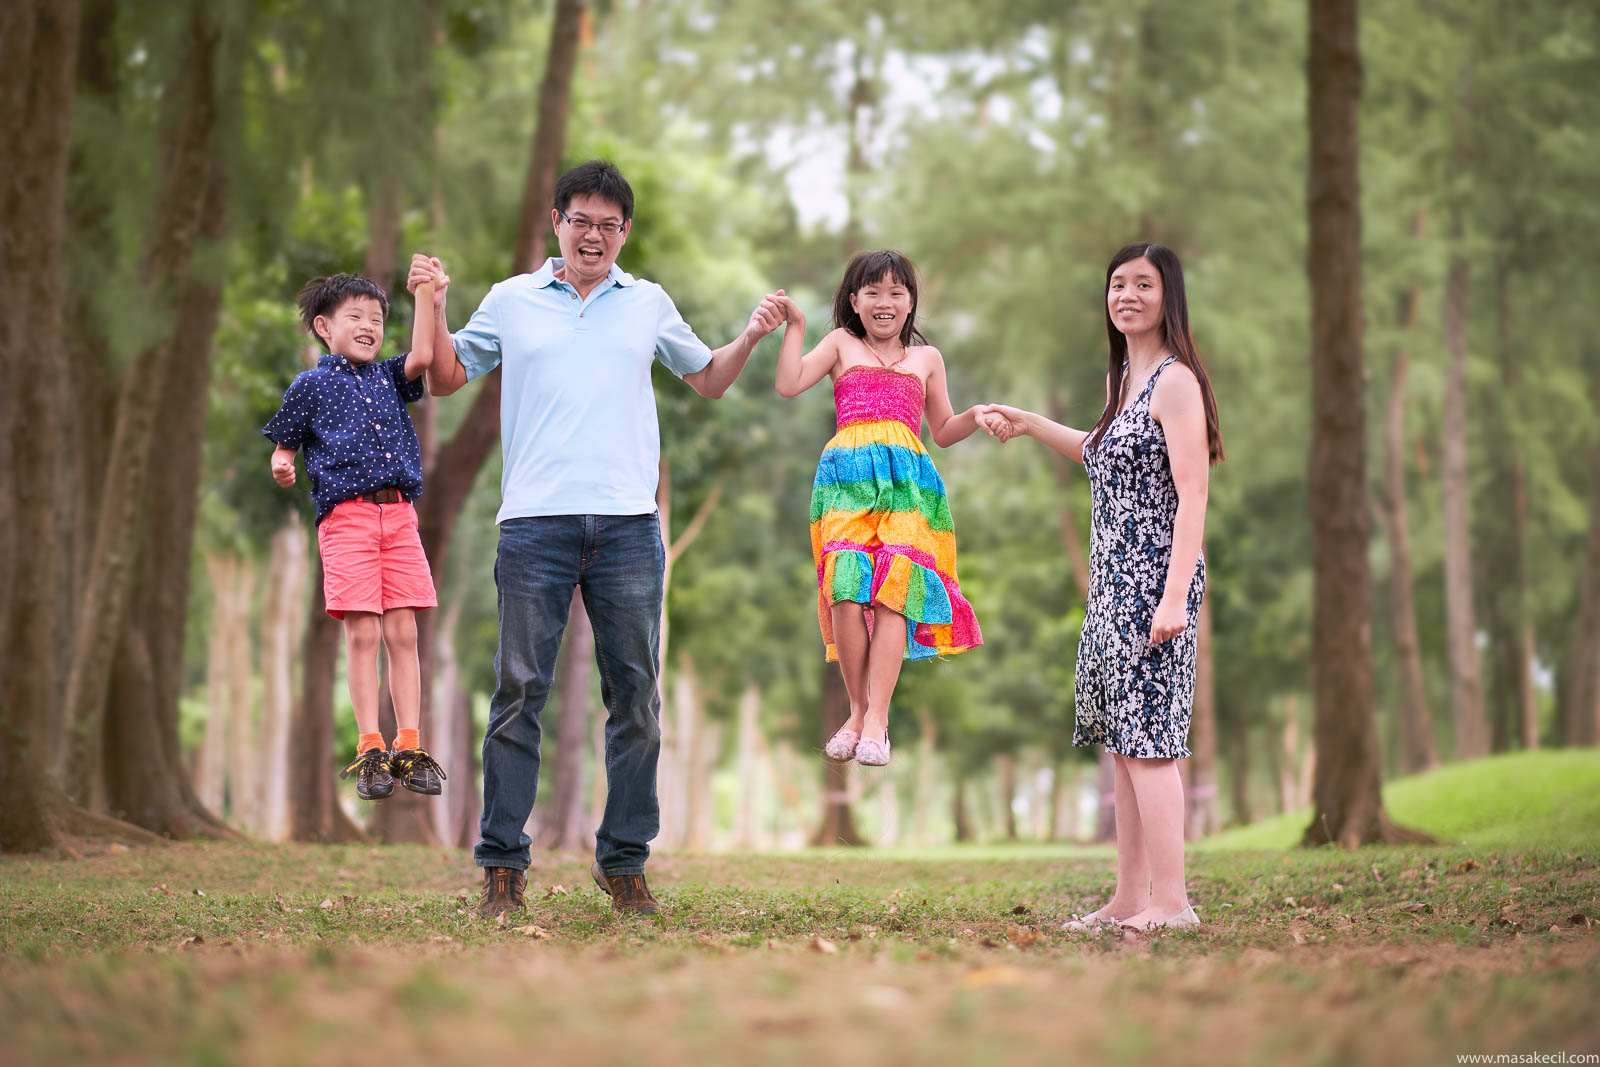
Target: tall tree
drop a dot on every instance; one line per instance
(189, 185)
(38, 45)
(1419, 753)
(1466, 676)
(1348, 805)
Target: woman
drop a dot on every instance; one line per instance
(1148, 460)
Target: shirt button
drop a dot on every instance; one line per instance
(387, 456)
(573, 295)
(369, 400)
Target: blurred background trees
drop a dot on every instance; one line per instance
(179, 169)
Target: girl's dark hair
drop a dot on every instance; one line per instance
(864, 269)
(1175, 337)
(597, 177)
(324, 296)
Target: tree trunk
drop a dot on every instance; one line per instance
(1201, 790)
(1466, 682)
(1239, 774)
(959, 812)
(244, 741)
(1580, 716)
(837, 825)
(1105, 782)
(453, 735)
(1348, 802)
(1007, 766)
(38, 45)
(1418, 751)
(706, 752)
(1517, 705)
(562, 816)
(190, 149)
(280, 637)
(927, 774)
(211, 762)
(1466, 675)
(746, 828)
(315, 814)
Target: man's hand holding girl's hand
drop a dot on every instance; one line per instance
(767, 316)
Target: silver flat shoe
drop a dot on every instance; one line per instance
(1186, 917)
(872, 753)
(841, 747)
(1081, 924)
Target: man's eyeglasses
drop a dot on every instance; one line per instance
(583, 226)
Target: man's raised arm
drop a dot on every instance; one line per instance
(445, 373)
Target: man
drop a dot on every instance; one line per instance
(576, 340)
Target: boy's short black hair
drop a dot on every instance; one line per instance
(598, 177)
(324, 296)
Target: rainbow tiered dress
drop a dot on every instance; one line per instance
(881, 530)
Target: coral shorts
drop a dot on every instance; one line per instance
(372, 559)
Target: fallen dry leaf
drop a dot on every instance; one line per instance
(557, 890)
(538, 933)
(1023, 936)
(1467, 865)
(824, 946)
(326, 905)
(1000, 974)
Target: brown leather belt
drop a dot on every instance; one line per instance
(386, 495)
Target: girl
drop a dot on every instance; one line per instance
(881, 531)
(1148, 459)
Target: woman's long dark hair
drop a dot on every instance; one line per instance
(864, 269)
(1175, 337)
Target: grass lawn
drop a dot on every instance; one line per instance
(213, 954)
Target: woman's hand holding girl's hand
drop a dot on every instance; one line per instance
(1171, 619)
(1001, 421)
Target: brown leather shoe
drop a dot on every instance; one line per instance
(628, 892)
(502, 891)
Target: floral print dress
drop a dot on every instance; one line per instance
(1133, 697)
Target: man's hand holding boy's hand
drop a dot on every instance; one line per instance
(283, 467)
(426, 269)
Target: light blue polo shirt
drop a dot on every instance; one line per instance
(578, 429)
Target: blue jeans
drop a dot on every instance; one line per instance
(619, 563)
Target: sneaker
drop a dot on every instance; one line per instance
(503, 889)
(374, 780)
(628, 892)
(417, 771)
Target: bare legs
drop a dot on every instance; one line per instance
(870, 667)
(405, 672)
(363, 630)
(396, 629)
(1159, 792)
(1150, 868)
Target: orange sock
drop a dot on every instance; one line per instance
(405, 739)
(367, 742)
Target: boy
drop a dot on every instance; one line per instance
(365, 466)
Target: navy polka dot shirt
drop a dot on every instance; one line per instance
(352, 420)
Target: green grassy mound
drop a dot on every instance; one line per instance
(1520, 800)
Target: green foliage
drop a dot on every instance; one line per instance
(1009, 150)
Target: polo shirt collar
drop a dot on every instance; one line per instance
(546, 275)
(328, 361)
